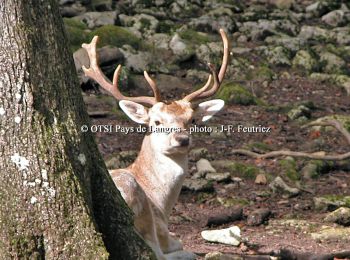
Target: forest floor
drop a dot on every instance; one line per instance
(292, 219)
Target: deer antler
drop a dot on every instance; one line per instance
(204, 92)
(95, 73)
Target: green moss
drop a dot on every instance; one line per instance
(264, 73)
(76, 33)
(233, 93)
(194, 37)
(243, 170)
(116, 36)
(166, 27)
(289, 166)
(259, 146)
(344, 200)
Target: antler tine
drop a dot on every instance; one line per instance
(191, 96)
(154, 87)
(95, 73)
(218, 78)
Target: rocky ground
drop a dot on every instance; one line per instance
(289, 67)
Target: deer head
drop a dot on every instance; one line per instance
(167, 121)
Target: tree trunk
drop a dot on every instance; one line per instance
(57, 200)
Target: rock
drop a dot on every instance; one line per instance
(233, 93)
(198, 153)
(214, 20)
(293, 44)
(97, 19)
(261, 179)
(304, 60)
(121, 160)
(204, 166)
(221, 256)
(330, 203)
(197, 185)
(180, 48)
(315, 168)
(343, 81)
(219, 177)
(225, 216)
(258, 217)
(136, 61)
(144, 24)
(279, 186)
(342, 35)
(315, 33)
(278, 56)
(161, 40)
(72, 10)
(336, 18)
(101, 5)
(321, 7)
(228, 236)
(333, 63)
(340, 216)
(181, 255)
(332, 234)
(282, 4)
(300, 111)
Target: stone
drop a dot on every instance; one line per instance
(336, 18)
(282, 4)
(97, 19)
(331, 203)
(300, 111)
(316, 33)
(181, 255)
(219, 177)
(332, 234)
(278, 56)
(228, 236)
(261, 179)
(197, 185)
(304, 60)
(321, 7)
(258, 217)
(180, 48)
(144, 24)
(220, 256)
(204, 166)
(293, 44)
(197, 153)
(279, 186)
(333, 63)
(340, 216)
(136, 61)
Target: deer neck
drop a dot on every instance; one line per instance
(161, 175)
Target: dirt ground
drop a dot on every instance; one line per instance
(192, 210)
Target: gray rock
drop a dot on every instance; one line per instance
(342, 35)
(279, 186)
(144, 24)
(321, 7)
(72, 10)
(258, 217)
(229, 236)
(214, 20)
(180, 48)
(101, 5)
(291, 43)
(336, 18)
(283, 4)
(197, 185)
(333, 63)
(278, 56)
(304, 60)
(331, 203)
(298, 112)
(220, 256)
(340, 216)
(204, 166)
(161, 40)
(121, 160)
(181, 255)
(137, 61)
(315, 33)
(219, 177)
(332, 234)
(198, 153)
(97, 19)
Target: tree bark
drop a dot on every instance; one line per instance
(57, 200)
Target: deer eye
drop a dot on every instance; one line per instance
(157, 122)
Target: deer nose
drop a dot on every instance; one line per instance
(183, 139)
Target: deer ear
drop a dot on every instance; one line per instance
(135, 111)
(209, 108)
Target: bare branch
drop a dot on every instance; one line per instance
(317, 155)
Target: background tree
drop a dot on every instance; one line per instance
(56, 197)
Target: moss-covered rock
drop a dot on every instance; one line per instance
(243, 170)
(116, 36)
(289, 168)
(233, 93)
(76, 33)
(304, 60)
(343, 119)
(300, 113)
(194, 37)
(278, 56)
(331, 202)
(332, 63)
(315, 168)
(232, 201)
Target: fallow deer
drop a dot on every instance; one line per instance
(152, 184)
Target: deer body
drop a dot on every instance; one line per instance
(152, 184)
